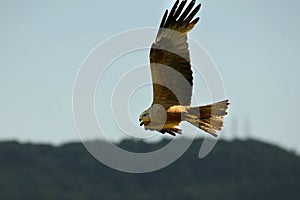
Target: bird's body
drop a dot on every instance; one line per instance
(166, 121)
(173, 78)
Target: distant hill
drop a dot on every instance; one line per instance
(238, 170)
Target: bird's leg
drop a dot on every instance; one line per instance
(170, 131)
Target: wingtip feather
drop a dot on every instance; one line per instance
(163, 19)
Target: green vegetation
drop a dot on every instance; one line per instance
(233, 170)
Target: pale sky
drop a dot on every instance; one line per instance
(255, 45)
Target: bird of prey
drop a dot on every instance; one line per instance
(172, 78)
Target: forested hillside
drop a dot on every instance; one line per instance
(233, 170)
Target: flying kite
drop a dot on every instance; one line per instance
(172, 78)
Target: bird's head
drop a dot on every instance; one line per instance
(144, 118)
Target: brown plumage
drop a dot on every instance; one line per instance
(173, 78)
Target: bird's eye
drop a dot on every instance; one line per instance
(144, 115)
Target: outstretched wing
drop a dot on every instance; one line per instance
(169, 57)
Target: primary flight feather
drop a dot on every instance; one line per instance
(172, 78)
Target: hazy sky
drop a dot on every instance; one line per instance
(255, 45)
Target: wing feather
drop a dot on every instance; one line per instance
(187, 10)
(179, 10)
(170, 59)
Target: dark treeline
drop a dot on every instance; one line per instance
(233, 170)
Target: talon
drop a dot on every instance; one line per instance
(171, 133)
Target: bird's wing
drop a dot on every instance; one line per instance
(169, 57)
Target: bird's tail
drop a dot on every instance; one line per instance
(208, 118)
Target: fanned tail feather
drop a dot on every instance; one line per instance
(209, 118)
